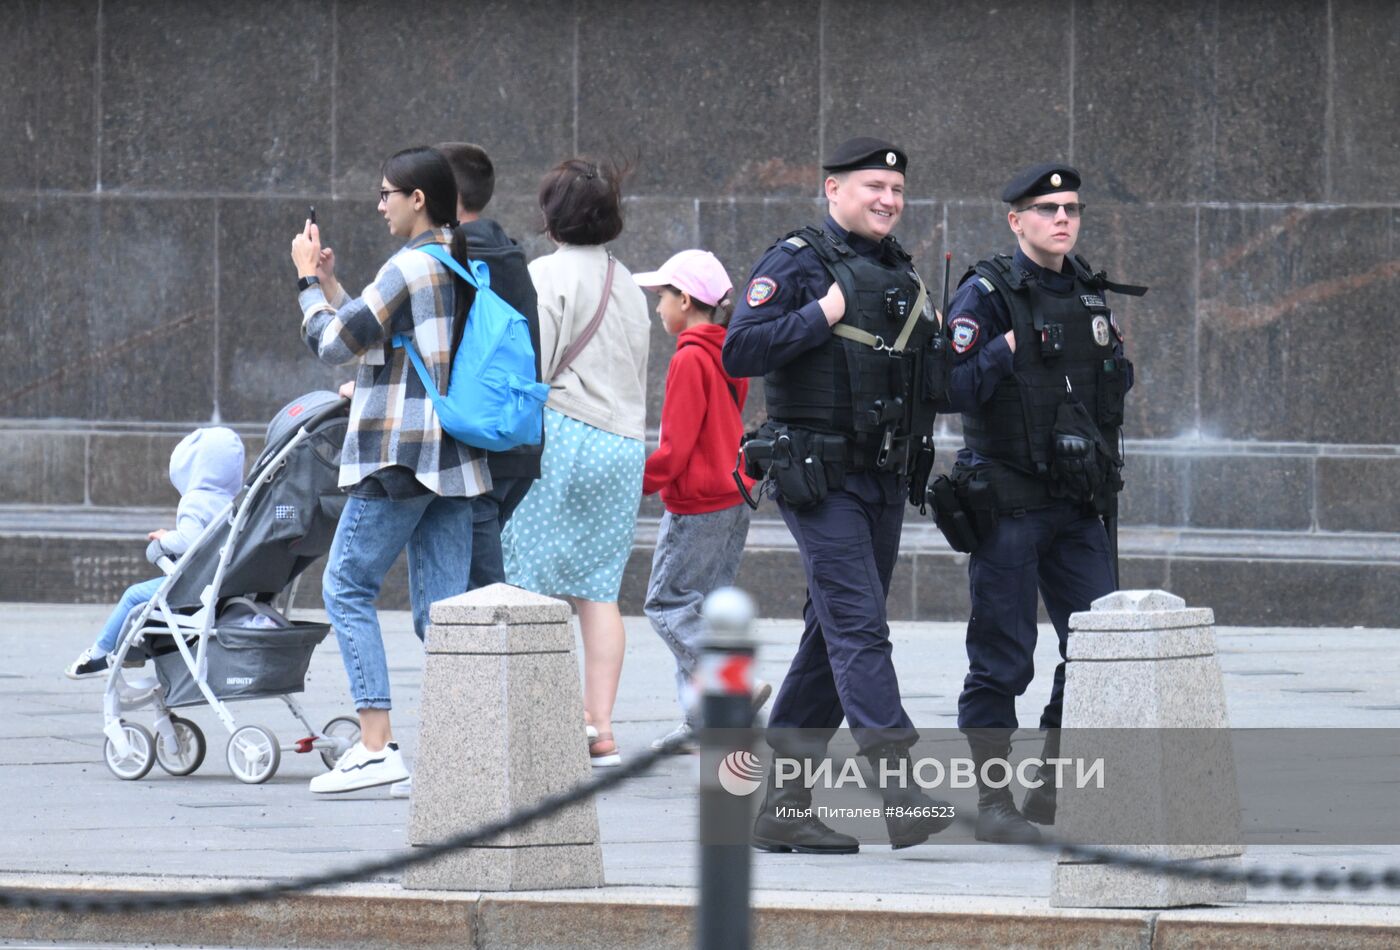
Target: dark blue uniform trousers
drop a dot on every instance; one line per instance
(1063, 552)
(843, 667)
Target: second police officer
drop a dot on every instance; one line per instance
(836, 321)
(1039, 375)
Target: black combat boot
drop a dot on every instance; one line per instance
(786, 822)
(910, 815)
(1039, 804)
(998, 821)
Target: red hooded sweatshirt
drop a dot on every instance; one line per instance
(700, 428)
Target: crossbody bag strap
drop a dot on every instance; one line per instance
(576, 347)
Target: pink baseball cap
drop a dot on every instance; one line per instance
(698, 273)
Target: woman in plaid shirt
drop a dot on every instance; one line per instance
(411, 485)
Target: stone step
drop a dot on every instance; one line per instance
(359, 915)
(89, 555)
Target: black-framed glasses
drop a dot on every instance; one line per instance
(384, 193)
(1048, 209)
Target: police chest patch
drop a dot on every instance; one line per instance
(964, 331)
(1101, 331)
(761, 290)
(1093, 301)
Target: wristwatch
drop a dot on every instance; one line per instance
(305, 282)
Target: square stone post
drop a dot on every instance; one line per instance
(1145, 663)
(502, 728)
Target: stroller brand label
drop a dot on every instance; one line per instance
(285, 513)
(238, 681)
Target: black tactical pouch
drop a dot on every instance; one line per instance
(937, 368)
(797, 469)
(1112, 388)
(964, 508)
(803, 466)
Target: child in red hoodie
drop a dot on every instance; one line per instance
(702, 533)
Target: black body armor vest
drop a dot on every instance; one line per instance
(862, 381)
(1064, 349)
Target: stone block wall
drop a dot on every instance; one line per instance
(1242, 158)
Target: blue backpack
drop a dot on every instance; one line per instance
(492, 400)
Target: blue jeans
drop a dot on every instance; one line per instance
(136, 595)
(438, 534)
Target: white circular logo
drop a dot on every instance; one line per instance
(1055, 179)
(891, 158)
(1100, 330)
(741, 773)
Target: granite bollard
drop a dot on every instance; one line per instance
(502, 728)
(1143, 691)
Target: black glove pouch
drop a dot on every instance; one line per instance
(1082, 462)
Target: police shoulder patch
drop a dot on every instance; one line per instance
(963, 330)
(761, 290)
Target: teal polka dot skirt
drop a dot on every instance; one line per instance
(572, 533)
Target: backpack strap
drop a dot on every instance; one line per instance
(404, 342)
(576, 347)
(443, 256)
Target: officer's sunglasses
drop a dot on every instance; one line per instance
(1048, 209)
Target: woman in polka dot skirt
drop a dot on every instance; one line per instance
(571, 535)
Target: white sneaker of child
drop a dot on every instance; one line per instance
(89, 663)
(360, 768)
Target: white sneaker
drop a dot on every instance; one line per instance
(360, 768)
(87, 665)
(683, 735)
(402, 789)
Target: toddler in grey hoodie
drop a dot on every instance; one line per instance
(206, 468)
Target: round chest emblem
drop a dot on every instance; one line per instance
(1101, 331)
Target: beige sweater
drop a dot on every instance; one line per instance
(606, 386)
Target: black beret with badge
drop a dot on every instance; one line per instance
(860, 153)
(1043, 179)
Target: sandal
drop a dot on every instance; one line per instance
(601, 757)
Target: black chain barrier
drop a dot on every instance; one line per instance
(1289, 878)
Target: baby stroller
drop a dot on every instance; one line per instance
(213, 632)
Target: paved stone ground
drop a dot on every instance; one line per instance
(66, 814)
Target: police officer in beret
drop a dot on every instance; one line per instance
(837, 322)
(1039, 376)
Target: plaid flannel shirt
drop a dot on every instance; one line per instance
(392, 420)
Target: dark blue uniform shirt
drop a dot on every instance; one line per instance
(977, 325)
(778, 317)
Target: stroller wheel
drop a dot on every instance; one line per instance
(190, 752)
(253, 754)
(345, 731)
(138, 762)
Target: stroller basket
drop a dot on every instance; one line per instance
(244, 663)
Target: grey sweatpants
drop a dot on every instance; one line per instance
(695, 554)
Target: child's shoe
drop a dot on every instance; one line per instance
(87, 666)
